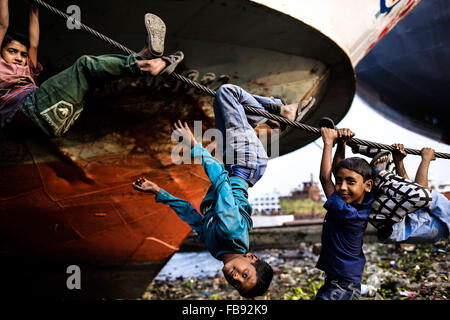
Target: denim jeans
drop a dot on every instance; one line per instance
(59, 100)
(243, 152)
(425, 225)
(338, 289)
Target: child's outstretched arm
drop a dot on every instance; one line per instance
(4, 19)
(329, 136)
(398, 155)
(231, 222)
(213, 168)
(343, 136)
(422, 171)
(145, 185)
(182, 208)
(184, 132)
(33, 32)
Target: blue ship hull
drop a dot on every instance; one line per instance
(406, 77)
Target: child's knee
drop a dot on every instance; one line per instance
(84, 61)
(227, 97)
(226, 89)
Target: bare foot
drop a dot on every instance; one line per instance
(381, 163)
(289, 111)
(153, 66)
(144, 185)
(382, 160)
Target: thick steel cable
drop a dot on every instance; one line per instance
(212, 93)
(122, 47)
(308, 128)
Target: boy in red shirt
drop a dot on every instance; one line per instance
(56, 104)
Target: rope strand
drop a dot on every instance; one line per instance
(212, 93)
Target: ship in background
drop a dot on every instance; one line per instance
(304, 202)
(405, 77)
(69, 201)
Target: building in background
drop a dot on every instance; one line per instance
(305, 202)
(266, 204)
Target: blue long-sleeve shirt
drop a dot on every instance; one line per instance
(226, 219)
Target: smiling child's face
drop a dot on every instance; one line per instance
(240, 272)
(350, 185)
(15, 52)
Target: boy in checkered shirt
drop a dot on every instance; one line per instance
(406, 211)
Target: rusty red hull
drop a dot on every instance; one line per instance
(102, 224)
(101, 221)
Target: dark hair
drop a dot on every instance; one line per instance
(264, 273)
(359, 165)
(20, 37)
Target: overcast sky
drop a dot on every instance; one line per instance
(289, 171)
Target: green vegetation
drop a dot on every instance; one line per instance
(301, 206)
(306, 293)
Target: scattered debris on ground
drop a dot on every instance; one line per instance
(392, 272)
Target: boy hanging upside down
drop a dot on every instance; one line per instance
(56, 104)
(225, 219)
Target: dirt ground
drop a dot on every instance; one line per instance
(392, 272)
